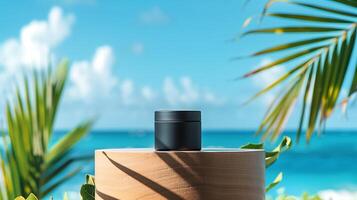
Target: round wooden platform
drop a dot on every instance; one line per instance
(208, 174)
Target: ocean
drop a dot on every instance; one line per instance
(328, 163)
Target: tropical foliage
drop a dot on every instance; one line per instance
(318, 63)
(28, 163)
(30, 197)
(272, 156)
(87, 191)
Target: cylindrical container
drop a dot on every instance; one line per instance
(177, 130)
(209, 174)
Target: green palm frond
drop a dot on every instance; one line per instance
(29, 164)
(320, 63)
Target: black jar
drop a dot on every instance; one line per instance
(177, 130)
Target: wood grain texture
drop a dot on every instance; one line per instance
(150, 175)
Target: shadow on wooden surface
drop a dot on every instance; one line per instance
(200, 175)
(142, 179)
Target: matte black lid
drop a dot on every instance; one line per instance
(178, 115)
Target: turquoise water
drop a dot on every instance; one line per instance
(329, 162)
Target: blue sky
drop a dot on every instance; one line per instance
(129, 58)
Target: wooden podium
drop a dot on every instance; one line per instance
(208, 174)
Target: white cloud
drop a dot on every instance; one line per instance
(186, 93)
(33, 48)
(36, 42)
(154, 16)
(148, 93)
(94, 78)
(171, 92)
(137, 48)
(210, 97)
(190, 92)
(127, 92)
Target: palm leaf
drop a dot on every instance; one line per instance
(280, 79)
(61, 166)
(324, 77)
(331, 10)
(285, 59)
(276, 181)
(353, 87)
(306, 95)
(292, 45)
(294, 29)
(347, 2)
(51, 186)
(28, 162)
(309, 18)
(67, 142)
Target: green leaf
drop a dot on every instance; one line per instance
(62, 166)
(30, 197)
(347, 2)
(50, 187)
(90, 179)
(326, 9)
(271, 156)
(276, 181)
(322, 86)
(292, 45)
(284, 60)
(347, 60)
(30, 121)
(67, 142)
(316, 99)
(296, 29)
(310, 18)
(88, 192)
(340, 65)
(353, 87)
(253, 146)
(302, 117)
(280, 80)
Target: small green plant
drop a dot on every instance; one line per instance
(272, 156)
(33, 197)
(30, 197)
(88, 189)
(28, 163)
